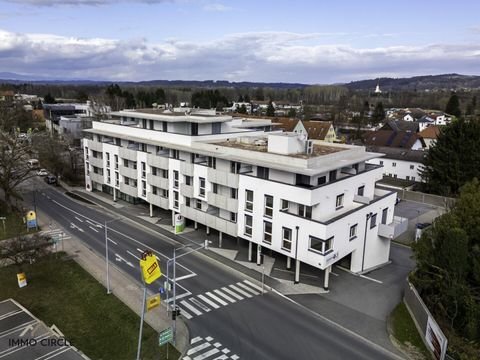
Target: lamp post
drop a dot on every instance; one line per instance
(368, 216)
(297, 270)
(106, 253)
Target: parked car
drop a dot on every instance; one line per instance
(42, 172)
(33, 164)
(50, 179)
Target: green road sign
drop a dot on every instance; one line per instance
(165, 336)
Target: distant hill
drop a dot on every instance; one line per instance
(427, 82)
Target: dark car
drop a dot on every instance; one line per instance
(50, 179)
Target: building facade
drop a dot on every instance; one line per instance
(313, 202)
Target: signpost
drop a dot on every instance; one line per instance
(153, 302)
(165, 337)
(3, 218)
(31, 220)
(179, 223)
(22, 280)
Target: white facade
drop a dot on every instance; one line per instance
(314, 203)
(402, 169)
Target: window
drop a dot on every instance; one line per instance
(134, 165)
(361, 190)
(333, 175)
(144, 188)
(116, 179)
(108, 176)
(407, 177)
(201, 191)
(268, 206)
(216, 128)
(116, 162)
(412, 167)
(384, 215)
(175, 199)
(165, 173)
(286, 239)
(249, 200)
(126, 180)
(187, 201)
(234, 167)
(262, 172)
(154, 190)
(212, 162)
(248, 225)
(164, 126)
(321, 180)
(267, 232)
(320, 245)
(188, 180)
(108, 159)
(353, 231)
(215, 188)
(339, 203)
(305, 211)
(373, 221)
(86, 153)
(175, 154)
(413, 178)
(381, 162)
(175, 179)
(233, 217)
(125, 162)
(394, 164)
(165, 193)
(144, 170)
(285, 205)
(234, 193)
(198, 205)
(194, 129)
(153, 169)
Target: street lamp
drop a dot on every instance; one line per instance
(297, 270)
(106, 253)
(368, 216)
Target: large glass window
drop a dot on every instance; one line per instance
(339, 202)
(175, 179)
(373, 221)
(248, 225)
(320, 245)
(305, 211)
(286, 239)
(202, 187)
(353, 231)
(249, 200)
(268, 206)
(267, 232)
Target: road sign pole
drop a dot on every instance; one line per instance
(174, 296)
(168, 286)
(139, 348)
(106, 258)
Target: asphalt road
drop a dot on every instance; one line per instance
(232, 312)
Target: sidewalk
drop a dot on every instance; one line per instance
(123, 286)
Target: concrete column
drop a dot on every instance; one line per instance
(289, 262)
(195, 225)
(114, 194)
(173, 218)
(208, 230)
(151, 210)
(250, 251)
(220, 236)
(259, 254)
(326, 277)
(297, 272)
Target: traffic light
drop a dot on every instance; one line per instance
(176, 313)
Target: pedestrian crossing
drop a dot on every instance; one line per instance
(197, 305)
(55, 233)
(207, 349)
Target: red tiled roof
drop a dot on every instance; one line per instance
(431, 132)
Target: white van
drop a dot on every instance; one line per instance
(33, 164)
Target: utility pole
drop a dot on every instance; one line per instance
(106, 253)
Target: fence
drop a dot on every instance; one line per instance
(436, 200)
(426, 325)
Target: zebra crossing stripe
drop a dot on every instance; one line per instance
(248, 288)
(191, 308)
(216, 298)
(224, 296)
(240, 291)
(211, 303)
(227, 290)
(186, 314)
(207, 354)
(253, 285)
(198, 348)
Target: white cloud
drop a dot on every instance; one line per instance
(264, 56)
(217, 7)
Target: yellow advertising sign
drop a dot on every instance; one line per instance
(31, 216)
(153, 302)
(22, 280)
(150, 268)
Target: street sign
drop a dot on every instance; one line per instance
(165, 336)
(150, 268)
(153, 302)
(167, 285)
(31, 220)
(22, 280)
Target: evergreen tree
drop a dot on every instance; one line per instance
(453, 106)
(242, 109)
(378, 114)
(454, 159)
(270, 109)
(49, 99)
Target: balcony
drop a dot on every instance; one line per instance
(129, 172)
(186, 168)
(391, 231)
(222, 178)
(129, 190)
(127, 154)
(222, 201)
(157, 161)
(96, 178)
(97, 162)
(210, 220)
(95, 145)
(186, 190)
(157, 200)
(157, 181)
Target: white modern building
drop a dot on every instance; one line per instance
(314, 202)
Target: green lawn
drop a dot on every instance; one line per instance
(14, 224)
(60, 292)
(405, 332)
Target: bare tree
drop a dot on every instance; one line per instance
(21, 249)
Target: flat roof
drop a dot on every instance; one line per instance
(170, 116)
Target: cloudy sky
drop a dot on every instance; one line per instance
(308, 41)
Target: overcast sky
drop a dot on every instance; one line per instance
(303, 41)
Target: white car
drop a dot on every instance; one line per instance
(42, 172)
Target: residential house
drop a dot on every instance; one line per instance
(395, 139)
(430, 135)
(316, 130)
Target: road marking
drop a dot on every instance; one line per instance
(331, 272)
(73, 226)
(191, 308)
(93, 229)
(198, 348)
(112, 241)
(371, 279)
(185, 314)
(207, 354)
(253, 285)
(200, 305)
(119, 258)
(209, 302)
(76, 217)
(232, 293)
(225, 296)
(216, 298)
(194, 340)
(240, 291)
(185, 276)
(135, 256)
(248, 288)
(94, 224)
(185, 294)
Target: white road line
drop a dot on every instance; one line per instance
(253, 285)
(135, 256)
(191, 308)
(76, 217)
(194, 340)
(92, 223)
(225, 296)
(331, 272)
(186, 277)
(200, 305)
(222, 357)
(209, 302)
(186, 314)
(248, 288)
(198, 348)
(371, 279)
(93, 228)
(207, 354)
(178, 297)
(112, 241)
(232, 293)
(240, 291)
(216, 298)
(53, 353)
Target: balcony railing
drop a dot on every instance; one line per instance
(186, 168)
(393, 230)
(129, 172)
(186, 190)
(210, 220)
(96, 178)
(222, 178)
(95, 145)
(127, 154)
(157, 181)
(97, 162)
(129, 190)
(157, 201)
(222, 201)
(157, 161)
